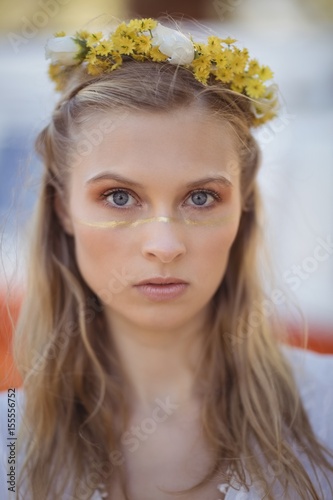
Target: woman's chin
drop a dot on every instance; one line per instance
(159, 317)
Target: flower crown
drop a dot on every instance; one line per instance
(147, 39)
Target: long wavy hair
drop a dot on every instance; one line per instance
(76, 407)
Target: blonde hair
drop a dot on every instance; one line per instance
(74, 384)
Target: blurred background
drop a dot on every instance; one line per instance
(294, 37)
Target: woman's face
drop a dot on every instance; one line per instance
(157, 196)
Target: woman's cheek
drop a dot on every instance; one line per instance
(96, 254)
(217, 248)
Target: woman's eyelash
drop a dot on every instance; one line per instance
(214, 194)
(108, 193)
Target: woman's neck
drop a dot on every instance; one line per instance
(159, 364)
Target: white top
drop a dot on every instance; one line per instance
(314, 377)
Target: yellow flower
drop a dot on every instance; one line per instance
(83, 34)
(139, 57)
(146, 24)
(56, 73)
(238, 83)
(201, 73)
(54, 70)
(236, 88)
(270, 94)
(267, 104)
(201, 61)
(123, 44)
(229, 55)
(214, 41)
(116, 62)
(143, 44)
(214, 45)
(202, 49)
(94, 70)
(103, 64)
(265, 73)
(238, 63)
(98, 67)
(197, 46)
(225, 75)
(209, 53)
(124, 30)
(253, 68)
(104, 48)
(201, 68)
(91, 57)
(135, 25)
(220, 60)
(228, 41)
(255, 88)
(93, 38)
(243, 55)
(156, 55)
(119, 30)
(263, 119)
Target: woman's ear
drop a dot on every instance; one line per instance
(63, 215)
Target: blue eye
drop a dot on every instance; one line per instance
(118, 197)
(121, 198)
(200, 197)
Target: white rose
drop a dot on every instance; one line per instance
(269, 102)
(173, 44)
(62, 50)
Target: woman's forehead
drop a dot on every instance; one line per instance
(184, 140)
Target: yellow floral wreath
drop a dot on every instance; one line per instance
(147, 39)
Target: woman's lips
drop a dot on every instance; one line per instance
(161, 289)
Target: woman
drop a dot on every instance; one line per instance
(151, 370)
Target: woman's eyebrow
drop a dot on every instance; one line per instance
(221, 179)
(113, 176)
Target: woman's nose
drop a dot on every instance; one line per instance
(163, 238)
